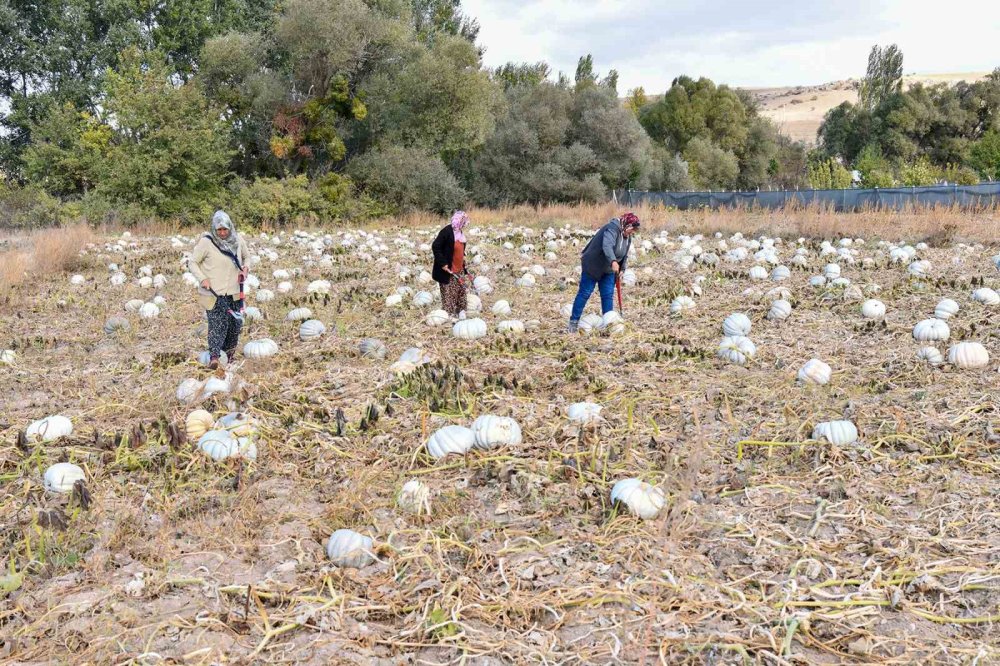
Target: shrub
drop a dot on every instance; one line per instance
(960, 175)
(829, 174)
(407, 179)
(29, 207)
(921, 172)
(270, 202)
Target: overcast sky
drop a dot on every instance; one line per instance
(740, 42)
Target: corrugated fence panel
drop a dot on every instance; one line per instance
(982, 195)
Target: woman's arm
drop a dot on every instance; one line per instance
(197, 256)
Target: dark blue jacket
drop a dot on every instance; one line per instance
(606, 246)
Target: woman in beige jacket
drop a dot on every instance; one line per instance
(218, 261)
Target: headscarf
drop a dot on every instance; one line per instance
(629, 221)
(221, 221)
(458, 222)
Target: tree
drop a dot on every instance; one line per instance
(516, 74)
(883, 78)
(636, 100)
(918, 173)
(426, 185)
(711, 167)
(828, 174)
(431, 17)
(875, 169)
(169, 151)
(585, 74)
(984, 155)
(68, 153)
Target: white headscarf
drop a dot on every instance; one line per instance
(221, 221)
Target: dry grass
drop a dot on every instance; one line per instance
(774, 549)
(46, 252)
(938, 225)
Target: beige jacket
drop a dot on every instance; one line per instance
(207, 263)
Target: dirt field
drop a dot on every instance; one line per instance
(798, 110)
(773, 548)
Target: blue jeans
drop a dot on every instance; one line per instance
(587, 284)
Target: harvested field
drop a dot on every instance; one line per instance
(772, 547)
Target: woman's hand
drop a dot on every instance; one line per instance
(614, 267)
(447, 269)
(205, 284)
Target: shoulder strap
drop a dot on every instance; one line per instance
(225, 252)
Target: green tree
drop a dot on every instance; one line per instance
(875, 169)
(516, 74)
(984, 155)
(883, 78)
(169, 151)
(585, 74)
(920, 172)
(710, 166)
(68, 153)
(828, 174)
(427, 185)
(636, 100)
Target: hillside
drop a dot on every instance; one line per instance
(799, 110)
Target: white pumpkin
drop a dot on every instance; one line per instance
(780, 310)
(482, 284)
(117, 279)
(968, 355)
(61, 477)
(836, 432)
(319, 287)
(215, 385)
(758, 273)
(817, 281)
(189, 390)
(259, 349)
(393, 300)
(264, 296)
(736, 324)
(299, 314)
(584, 412)
(629, 278)
(873, 309)
(501, 308)
(831, 271)
(222, 444)
(515, 326)
(239, 424)
(946, 309)
(198, 423)
(372, 348)
(473, 303)
(422, 299)
(415, 498)
(736, 349)
(311, 329)
(931, 330)
(146, 282)
(919, 268)
(589, 323)
(77, 280)
(437, 318)
(642, 499)
(348, 549)
(527, 280)
(931, 355)
(284, 287)
(780, 273)
(612, 323)
(986, 296)
(469, 329)
(115, 324)
(492, 431)
(416, 356)
(7, 357)
(681, 304)
(815, 371)
(450, 439)
(49, 429)
(149, 311)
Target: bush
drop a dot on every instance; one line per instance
(875, 169)
(270, 202)
(29, 207)
(921, 172)
(829, 174)
(960, 175)
(407, 179)
(984, 156)
(710, 166)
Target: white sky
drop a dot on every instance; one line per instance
(742, 43)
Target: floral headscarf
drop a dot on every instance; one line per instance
(458, 222)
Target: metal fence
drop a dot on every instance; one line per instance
(979, 196)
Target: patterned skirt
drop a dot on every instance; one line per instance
(453, 297)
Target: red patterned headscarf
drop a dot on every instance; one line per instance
(629, 221)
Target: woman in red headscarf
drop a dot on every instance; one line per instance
(603, 258)
(449, 263)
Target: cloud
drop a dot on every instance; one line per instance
(749, 43)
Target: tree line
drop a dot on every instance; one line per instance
(317, 109)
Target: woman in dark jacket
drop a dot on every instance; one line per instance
(601, 262)
(449, 264)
